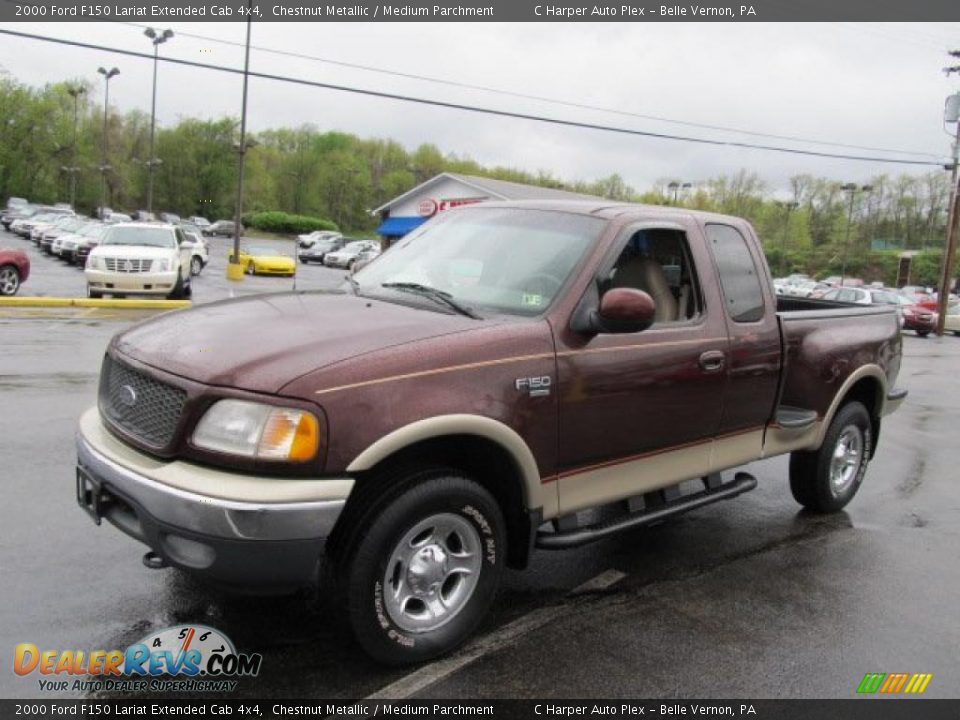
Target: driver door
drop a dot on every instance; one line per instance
(639, 411)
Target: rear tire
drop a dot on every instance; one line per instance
(196, 265)
(825, 480)
(424, 567)
(922, 333)
(251, 268)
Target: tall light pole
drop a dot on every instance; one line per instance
(234, 268)
(75, 91)
(953, 217)
(157, 39)
(851, 189)
(104, 166)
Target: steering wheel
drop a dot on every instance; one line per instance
(549, 284)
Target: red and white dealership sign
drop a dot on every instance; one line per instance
(430, 207)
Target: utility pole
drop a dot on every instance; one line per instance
(950, 252)
(234, 268)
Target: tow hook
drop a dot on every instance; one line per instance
(153, 561)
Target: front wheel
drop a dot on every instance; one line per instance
(825, 480)
(923, 333)
(251, 268)
(425, 569)
(9, 280)
(94, 294)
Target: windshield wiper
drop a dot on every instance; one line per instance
(434, 294)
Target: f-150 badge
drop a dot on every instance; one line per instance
(538, 386)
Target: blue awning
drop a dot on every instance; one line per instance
(399, 226)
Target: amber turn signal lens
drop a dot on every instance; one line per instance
(289, 435)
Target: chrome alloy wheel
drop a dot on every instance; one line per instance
(9, 280)
(432, 572)
(847, 458)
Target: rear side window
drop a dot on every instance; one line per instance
(738, 273)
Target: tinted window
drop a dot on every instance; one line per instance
(738, 273)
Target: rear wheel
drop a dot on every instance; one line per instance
(251, 268)
(424, 568)
(923, 333)
(196, 265)
(9, 280)
(825, 480)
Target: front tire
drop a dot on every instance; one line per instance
(825, 480)
(251, 268)
(9, 280)
(425, 568)
(94, 294)
(922, 333)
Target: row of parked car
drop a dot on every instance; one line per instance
(57, 231)
(917, 305)
(334, 250)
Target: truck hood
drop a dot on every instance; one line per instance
(264, 342)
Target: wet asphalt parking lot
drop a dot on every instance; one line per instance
(747, 598)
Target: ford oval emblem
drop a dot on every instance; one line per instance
(128, 396)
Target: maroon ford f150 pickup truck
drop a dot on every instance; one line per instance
(508, 376)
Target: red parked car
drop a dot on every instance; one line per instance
(14, 269)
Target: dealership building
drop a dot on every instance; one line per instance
(450, 190)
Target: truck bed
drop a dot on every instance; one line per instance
(824, 342)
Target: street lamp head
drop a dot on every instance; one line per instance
(849, 187)
(76, 90)
(866, 188)
(108, 73)
(160, 38)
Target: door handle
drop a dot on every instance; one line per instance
(712, 360)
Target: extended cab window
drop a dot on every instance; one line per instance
(738, 273)
(658, 262)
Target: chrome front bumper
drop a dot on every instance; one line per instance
(240, 541)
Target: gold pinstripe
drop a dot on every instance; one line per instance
(505, 361)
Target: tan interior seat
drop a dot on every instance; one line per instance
(645, 274)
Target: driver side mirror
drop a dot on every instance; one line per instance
(623, 310)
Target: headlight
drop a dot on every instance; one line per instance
(160, 265)
(253, 430)
(96, 263)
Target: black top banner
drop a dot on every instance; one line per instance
(638, 11)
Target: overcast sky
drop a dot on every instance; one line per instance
(876, 85)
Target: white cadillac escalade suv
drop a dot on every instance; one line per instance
(140, 259)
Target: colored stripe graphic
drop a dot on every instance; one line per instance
(894, 683)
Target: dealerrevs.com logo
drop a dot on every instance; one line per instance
(191, 658)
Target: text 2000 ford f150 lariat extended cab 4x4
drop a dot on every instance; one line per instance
(508, 376)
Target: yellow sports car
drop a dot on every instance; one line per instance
(265, 260)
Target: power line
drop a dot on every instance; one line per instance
(473, 108)
(540, 98)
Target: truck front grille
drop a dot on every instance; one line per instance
(141, 406)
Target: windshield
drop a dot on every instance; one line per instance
(506, 259)
(92, 230)
(884, 297)
(150, 236)
(355, 246)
